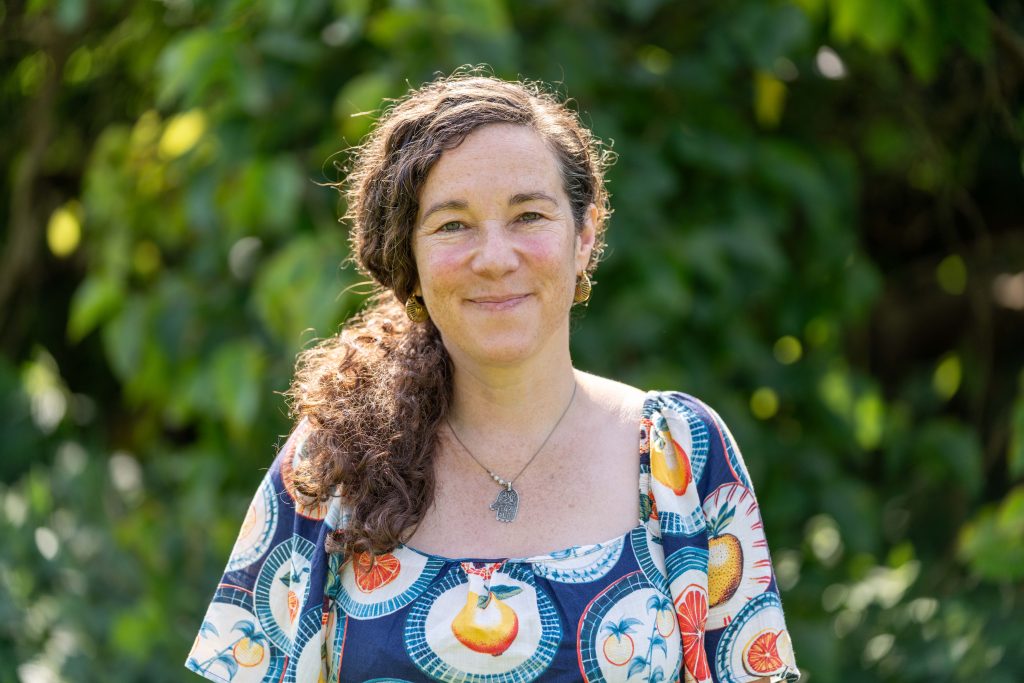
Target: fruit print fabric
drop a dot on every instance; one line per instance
(721, 577)
(687, 595)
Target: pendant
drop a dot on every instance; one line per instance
(506, 505)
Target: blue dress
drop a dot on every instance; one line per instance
(689, 594)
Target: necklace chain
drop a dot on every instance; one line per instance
(507, 483)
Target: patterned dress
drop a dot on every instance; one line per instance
(687, 595)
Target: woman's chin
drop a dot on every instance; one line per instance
(500, 351)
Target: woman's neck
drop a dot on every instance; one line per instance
(511, 402)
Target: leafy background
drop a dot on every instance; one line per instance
(818, 229)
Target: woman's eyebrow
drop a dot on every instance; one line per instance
(524, 197)
(451, 204)
(461, 205)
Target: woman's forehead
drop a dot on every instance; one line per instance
(497, 161)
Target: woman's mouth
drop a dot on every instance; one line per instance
(499, 303)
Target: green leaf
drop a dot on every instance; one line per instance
(391, 26)
(970, 22)
(95, 300)
(722, 519)
(361, 96)
(487, 18)
(302, 288)
(505, 592)
(877, 24)
(289, 47)
(768, 32)
(195, 62)
(263, 196)
(124, 336)
(949, 456)
(991, 543)
(238, 381)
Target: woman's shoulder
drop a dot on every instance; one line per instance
(291, 453)
(612, 397)
(675, 410)
(616, 395)
(308, 512)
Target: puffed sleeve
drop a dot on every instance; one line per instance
(716, 555)
(265, 621)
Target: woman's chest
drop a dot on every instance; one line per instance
(583, 493)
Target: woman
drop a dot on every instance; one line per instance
(405, 530)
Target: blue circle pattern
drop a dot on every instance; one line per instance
(724, 653)
(341, 622)
(437, 669)
(362, 610)
(699, 436)
(595, 616)
(309, 627)
(674, 523)
(686, 559)
(268, 498)
(642, 551)
(730, 449)
(237, 597)
(695, 522)
(607, 555)
(275, 560)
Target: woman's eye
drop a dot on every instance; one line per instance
(450, 226)
(530, 216)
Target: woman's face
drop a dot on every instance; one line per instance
(496, 248)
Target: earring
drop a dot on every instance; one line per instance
(582, 294)
(415, 309)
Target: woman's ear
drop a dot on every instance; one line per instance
(585, 238)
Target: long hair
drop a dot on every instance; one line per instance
(376, 394)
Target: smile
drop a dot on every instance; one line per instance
(499, 303)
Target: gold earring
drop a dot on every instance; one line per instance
(415, 309)
(582, 294)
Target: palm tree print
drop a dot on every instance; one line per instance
(246, 650)
(644, 664)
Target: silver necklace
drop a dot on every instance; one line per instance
(506, 505)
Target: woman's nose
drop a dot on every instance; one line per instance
(496, 253)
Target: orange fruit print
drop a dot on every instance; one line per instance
(248, 652)
(384, 571)
(618, 650)
(692, 609)
(762, 655)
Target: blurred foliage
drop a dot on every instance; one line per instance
(817, 229)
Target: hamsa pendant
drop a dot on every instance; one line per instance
(506, 505)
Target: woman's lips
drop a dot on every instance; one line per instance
(499, 303)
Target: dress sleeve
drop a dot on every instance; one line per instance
(719, 569)
(265, 618)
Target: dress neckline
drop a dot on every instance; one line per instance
(650, 399)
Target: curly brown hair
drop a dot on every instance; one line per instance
(376, 394)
